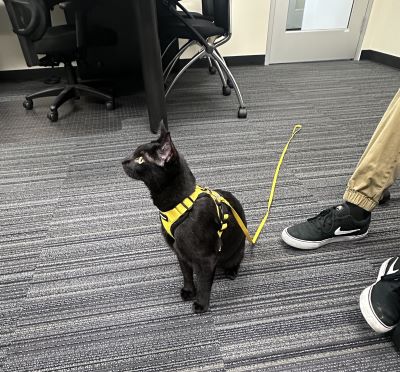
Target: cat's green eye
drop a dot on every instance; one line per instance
(139, 160)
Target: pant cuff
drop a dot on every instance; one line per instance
(355, 197)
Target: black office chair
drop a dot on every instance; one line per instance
(207, 12)
(31, 21)
(209, 36)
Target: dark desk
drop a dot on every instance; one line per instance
(137, 55)
(147, 29)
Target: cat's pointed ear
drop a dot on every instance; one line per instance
(167, 150)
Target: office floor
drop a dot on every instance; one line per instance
(86, 281)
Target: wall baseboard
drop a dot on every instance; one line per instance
(121, 86)
(44, 73)
(31, 74)
(257, 59)
(385, 59)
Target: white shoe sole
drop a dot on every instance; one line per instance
(309, 244)
(366, 306)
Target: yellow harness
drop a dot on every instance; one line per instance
(169, 218)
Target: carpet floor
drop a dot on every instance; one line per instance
(86, 280)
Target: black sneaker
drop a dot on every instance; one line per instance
(385, 197)
(380, 302)
(331, 225)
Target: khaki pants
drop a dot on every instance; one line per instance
(379, 166)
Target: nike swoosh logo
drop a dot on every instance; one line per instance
(391, 268)
(339, 231)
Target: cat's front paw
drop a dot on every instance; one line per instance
(231, 273)
(198, 308)
(188, 294)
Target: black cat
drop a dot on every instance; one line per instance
(196, 242)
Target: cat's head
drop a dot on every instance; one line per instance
(154, 162)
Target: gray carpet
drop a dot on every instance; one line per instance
(86, 281)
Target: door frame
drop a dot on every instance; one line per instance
(271, 27)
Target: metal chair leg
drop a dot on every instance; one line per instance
(168, 46)
(172, 63)
(230, 84)
(50, 92)
(211, 68)
(199, 55)
(242, 113)
(226, 90)
(93, 92)
(67, 93)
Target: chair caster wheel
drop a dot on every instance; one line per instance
(242, 113)
(212, 70)
(229, 82)
(28, 104)
(226, 91)
(52, 116)
(110, 105)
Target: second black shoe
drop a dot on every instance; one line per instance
(380, 302)
(331, 225)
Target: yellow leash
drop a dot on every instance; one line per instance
(253, 239)
(168, 218)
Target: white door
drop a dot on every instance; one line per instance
(315, 30)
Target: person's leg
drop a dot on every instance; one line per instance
(376, 171)
(379, 166)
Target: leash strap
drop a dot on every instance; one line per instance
(295, 130)
(253, 240)
(169, 218)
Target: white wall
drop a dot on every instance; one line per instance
(383, 30)
(10, 52)
(249, 26)
(249, 23)
(11, 57)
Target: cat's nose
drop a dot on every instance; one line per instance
(126, 161)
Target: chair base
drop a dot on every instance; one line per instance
(72, 90)
(215, 60)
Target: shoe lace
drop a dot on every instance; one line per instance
(325, 220)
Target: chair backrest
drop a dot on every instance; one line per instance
(30, 20)
(222, 14)
(207, 7)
